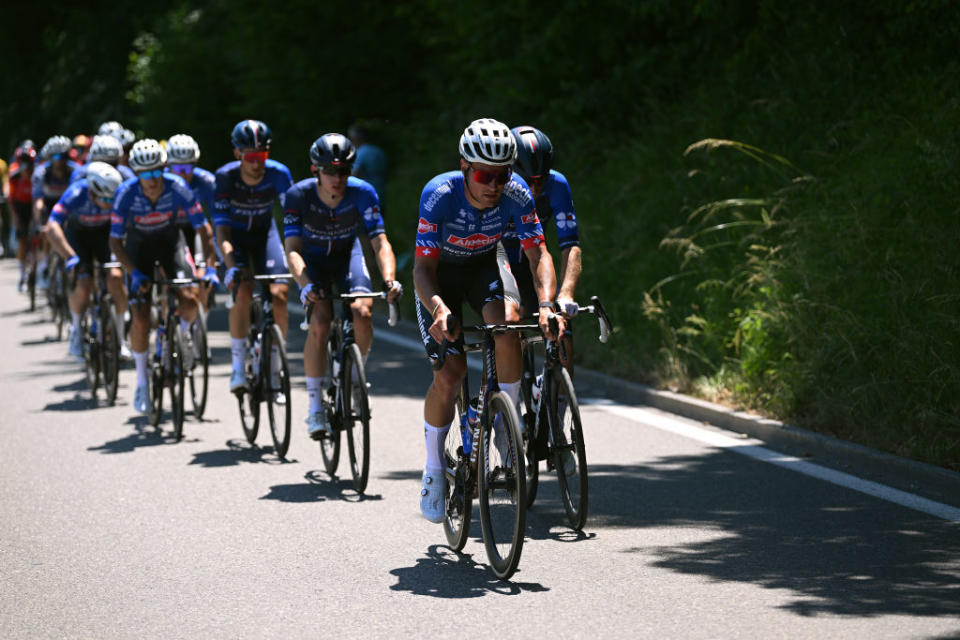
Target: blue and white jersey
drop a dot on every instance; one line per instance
(77, 203)
(330, 233)
(203, 185)
(249, 208)
(81, 172)
(48, 186)
(133, 210)
(554, 203)
(453, 230)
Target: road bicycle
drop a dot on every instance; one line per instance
(552, 429)
(484, 460)
(34, 245)
(198, 374)
(266, 368)
(346, 401)
(58, 293)
(101, 337)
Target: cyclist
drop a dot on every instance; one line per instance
(462, 216)
(371, 162)
(149, 206)
(246, 191)
(80, 148)
(107, 149)
(88, 202)
(4, 211)
(20, 200)
(183, 153)
(322, 216)
(50, 180)
(553, 200)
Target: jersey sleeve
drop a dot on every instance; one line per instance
(293, 213)
(528, 228)
(118, 215)
(564, 216)
(369, 205)
(283, 183)
(68, 201)
(433, 201)
(221, 199)
(37, 181)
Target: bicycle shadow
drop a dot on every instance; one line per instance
(77, 385)
(78, 402)
(144, 435)
(319, 487)
(446, 574)
(237, 452)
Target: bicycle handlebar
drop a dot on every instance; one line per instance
(596, 308)
(379, 295)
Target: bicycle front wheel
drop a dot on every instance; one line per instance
(278, 389)
(356, 416)
(177, 375)
(459, 503)
(109, 347)
(569, 454)
(91, 356)
(156, 391)
(502, 485)
(199, 374)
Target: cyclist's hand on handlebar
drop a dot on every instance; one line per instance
(568, 307)
(394, 289)
(230, 278)
(71, 264)
(210, 277)
(310, 293)
(138, 280)
(445, 325)
(543, 319)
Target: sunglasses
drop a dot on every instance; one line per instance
(256, 156)
(151, 174)
(181, 168)
(57, 156)
(539, 180)
(105, 199)
(486, 177)
(331, 170)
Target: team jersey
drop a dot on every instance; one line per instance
(81, 172)
(330, 232)
(203, 185)
(48, 186)
(554, 203)
(133, 209)
(249, 208)
(453, 230)
(21, 184)
(76, 201)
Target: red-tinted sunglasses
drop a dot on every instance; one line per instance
(256, 156)
(486, 177)
(333, 170)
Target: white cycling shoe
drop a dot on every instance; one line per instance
(433, 495)
(238, 381)
(141, 399)
(317, 425)
(76, 344)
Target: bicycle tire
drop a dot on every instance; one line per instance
(279, 429)
(568, 437)
(91, 357)
(109, 350)
(250, 417)
(330, 444)
(177, 375)
(156, 391)
(58, 299)
(501, 489)
(459, 501)
(356, 414)
(32, 287)
(528, 423)
(201, 368)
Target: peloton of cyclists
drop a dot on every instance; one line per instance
(144, 230)
(322, 216)
(462, 216)
(246, 191)
(104, 149)
(50, 180)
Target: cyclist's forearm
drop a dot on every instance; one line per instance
(116, 246)
(298, 268)
(426, 283)
(386, 260)
(570, 269)
(226, 247)
(544, 277)
(57, 240)
(206, 240)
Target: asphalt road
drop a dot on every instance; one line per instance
(109, 529)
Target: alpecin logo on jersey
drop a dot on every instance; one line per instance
(152, 219)
(426, 227)
(476, 241)
(530, 218)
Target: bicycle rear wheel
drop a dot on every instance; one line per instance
(569, 453)
(528, 423)
(199, 374)
(330, 444)
(459, 503)
(502, 489)
(249, 401)
(279, 424)
(109, 348)
(177, 375)
(32, 285)
(356, 416)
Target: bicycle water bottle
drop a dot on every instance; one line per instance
(255, 355)
(536, 390)
(472, 433)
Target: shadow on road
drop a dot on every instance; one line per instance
(237, 451)
(79, 402)
(144, 436)
(77, 385)
(839, 551)
(446, 574)
(319, 487)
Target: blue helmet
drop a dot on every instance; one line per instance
(534, 152)
(251, 134)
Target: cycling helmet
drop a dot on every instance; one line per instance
(26, 152)
(332, 149)
(488, 141)
(182, 148)
(126, 138)
(105, 149)
(251, 134)
(55, 145)
(147, 154)
(103, 179)
(111, 128)
(534, 152)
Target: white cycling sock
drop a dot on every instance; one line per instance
(237, 348)
(435, 438)
(275, 359)
(185, 327)
(315, 387)
(76, 321)
(140, 360)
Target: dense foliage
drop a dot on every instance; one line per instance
(767, 191)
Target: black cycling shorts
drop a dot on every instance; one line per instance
(167, 248)
(89, 243)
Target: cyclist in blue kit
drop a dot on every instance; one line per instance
(462, 216)
(246, 191)
(50, 179)
(143, 230)
(322, 216)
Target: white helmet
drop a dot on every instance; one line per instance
(147, 154)
(105, 149)
(182, 148)
(103, 179)
(55, 145)
(111, 128)
(126, 137)
(488, 141)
